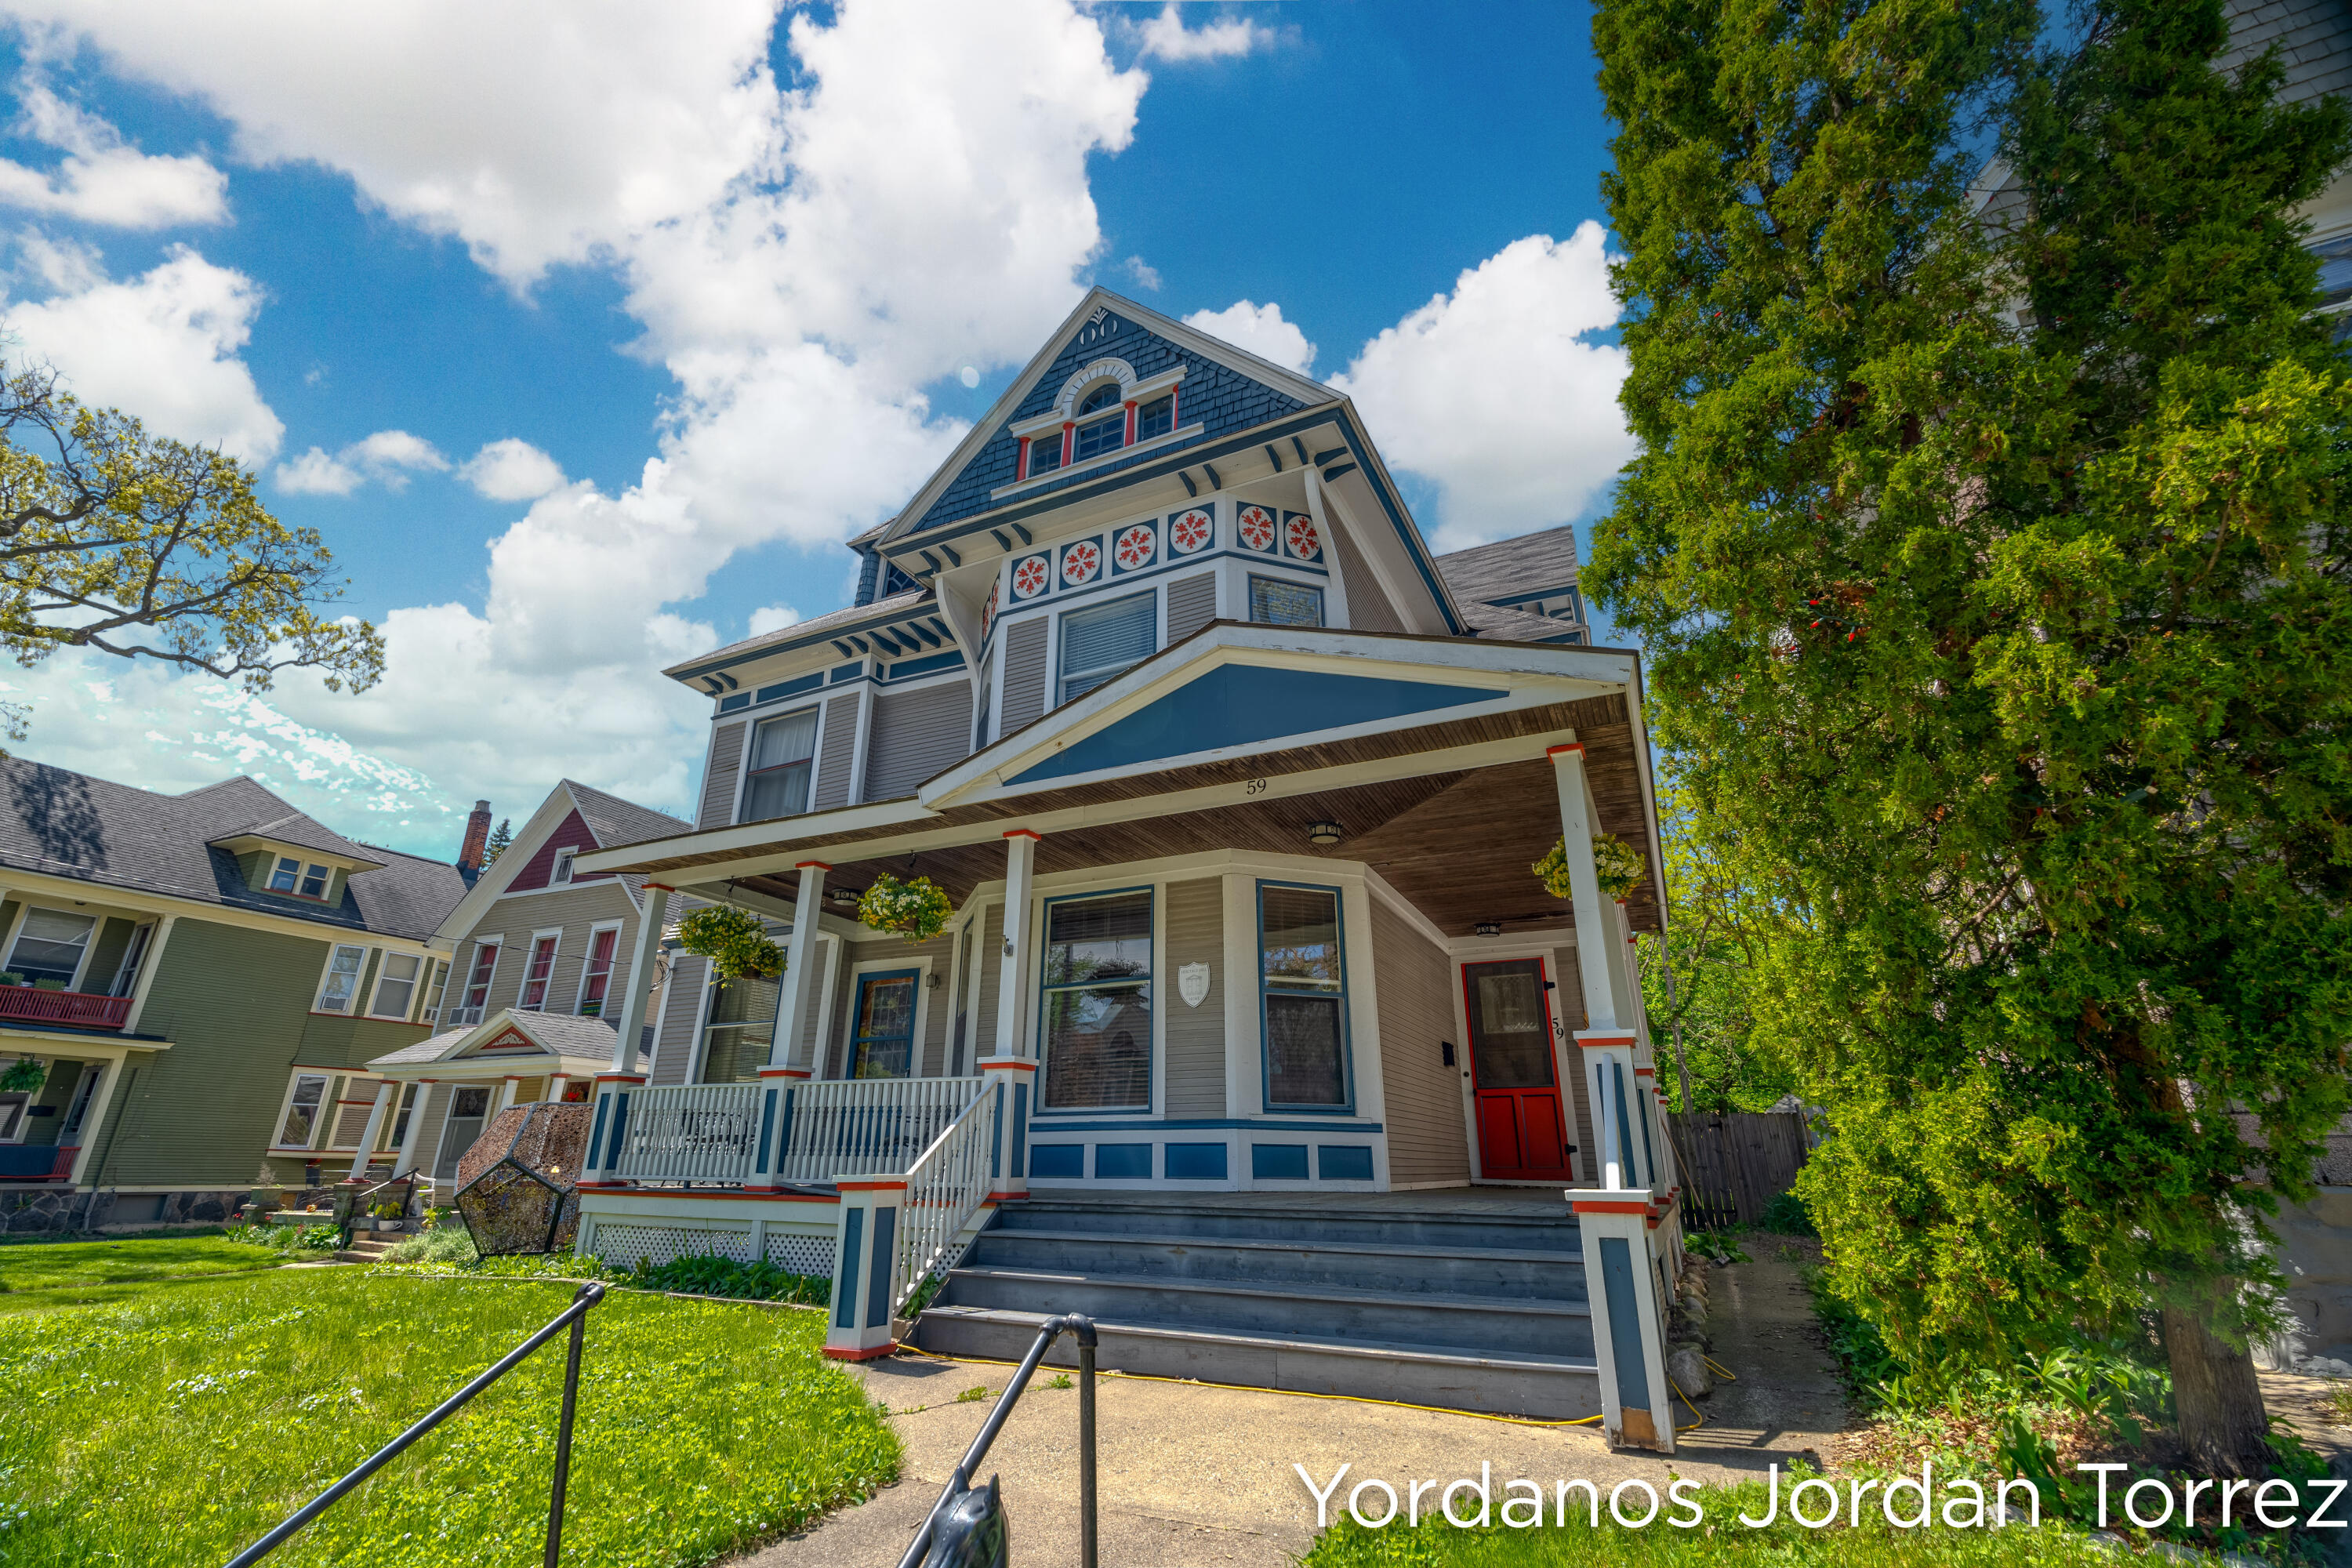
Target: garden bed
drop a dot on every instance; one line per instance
(175, 1428)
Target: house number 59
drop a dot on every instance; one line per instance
(1255, 786)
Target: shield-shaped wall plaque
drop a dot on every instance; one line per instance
(1193, 984)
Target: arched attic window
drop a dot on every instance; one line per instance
(1102, 423)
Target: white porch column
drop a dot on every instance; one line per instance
(149, 963)
(791, 998)
(1628, 1322)
(1010, 1072)
(408, 1145)
(1584, 889)
(93, 1121)
(642, 963)
(383, 1093)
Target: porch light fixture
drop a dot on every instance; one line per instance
(841, 898)
(1324, 833)
(1489, 928)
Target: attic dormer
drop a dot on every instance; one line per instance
(296, 859)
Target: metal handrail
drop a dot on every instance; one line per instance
(1048, 1333)
(576, 1317)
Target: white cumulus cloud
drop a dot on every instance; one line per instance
(772, 618)
(1166, 38)
(102, 179)
(513, 469)
(1261, 330)
(388, 457)
(1497, 394)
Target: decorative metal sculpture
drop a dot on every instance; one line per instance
(516, 1185)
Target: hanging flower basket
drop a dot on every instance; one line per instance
(917, 909)
(735, 943)
(24, 1075)
(1617, 866)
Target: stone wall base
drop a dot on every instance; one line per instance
(51, 1210)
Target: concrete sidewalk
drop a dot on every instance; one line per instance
(1192, 1474)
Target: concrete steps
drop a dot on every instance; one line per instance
(1466, 1310)
(367, 1248)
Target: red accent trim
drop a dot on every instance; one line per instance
(876, 1353)
(1175, 407)
(1069, 440)
(621, 1077)
(1645, 1072)
(1006, 1064)
(870, 1186)
(783, 1072)
(818, 865)
(1021, 467)
(1129, 439)
(1576, 746)
(700, 1195)
(601, 1187)
(664, 886)
(82, 1009)
(1022, 833)
(1654, 1221)
(1586, 1206)
(1005, 1197)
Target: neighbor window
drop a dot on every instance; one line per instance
(49, 948)
(783, 750)
(1156, 417)
(1276, 602)
(562, 872)
(440, 988)
(303, 1112)
(395, 988)
(598, 976)
(1097, 1018)
(342, 979)
(314, 881)
(478, 983)
(406, 1107)
(538, 973)
(1102, 640)
(289, 872)
(1304, 996)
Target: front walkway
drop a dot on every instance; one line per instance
(1193, 1475)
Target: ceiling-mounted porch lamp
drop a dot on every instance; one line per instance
(842, 897)
(1488, 928)
(1323, 833)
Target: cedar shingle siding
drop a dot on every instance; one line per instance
(719, 780)
(1428, 1145)
(916, 734)
(1196, 1036)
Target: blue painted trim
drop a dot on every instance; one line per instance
(736, 703)
(784, 1129)
(877, 1287)
(1649, 1154)
(596, 1135)
(1046, 924)
(842, 672)
(908, 668)
(1020, 1128)
(996, 1139)
(1196, 1162)
(1625, 1324)
(1343, 1163)
(1122, 1161)
(1056, 1121)
(790, 687)
(853, 1252)
(1277, 1161)
(1058, 1161)
(620, 1125)
(1625, 1128)
(767, 1128)
(1346, 1043)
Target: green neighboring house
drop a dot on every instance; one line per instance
(202, 979)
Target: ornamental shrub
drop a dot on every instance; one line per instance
(916, 909)
(735, 941)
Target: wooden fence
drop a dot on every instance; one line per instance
(1734, 1163)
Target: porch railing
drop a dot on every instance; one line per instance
(78, 1009)
(36, 1161)
(945, 1187)
(691, 1132)
(869, 1127)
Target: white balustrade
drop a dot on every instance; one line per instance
(869, 1127)
(945, 1187)
(690, 1132)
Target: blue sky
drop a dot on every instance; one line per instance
(584, 338)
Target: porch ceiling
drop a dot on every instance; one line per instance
(1458, 843)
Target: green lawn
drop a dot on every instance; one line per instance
(175, 1428)
(123, 1260)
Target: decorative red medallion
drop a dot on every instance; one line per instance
(987, 611)
(1300, 537)
(1136, 547)
(1080, 562)
(1029, 578)
(1257, 528)
(1191, 531)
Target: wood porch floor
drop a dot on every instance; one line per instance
(1540, 1203)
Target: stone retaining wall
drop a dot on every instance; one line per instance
(50, 1210)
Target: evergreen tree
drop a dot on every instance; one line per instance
(1993, 572)
(500, 836)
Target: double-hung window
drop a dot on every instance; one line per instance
(49, 948)
(1277, 603)
(1156, 417)
(342, 979)
(1097, 1019)
(292, 876)
(1044, 453)
(396, 987)
(783, 750)
(538, 974)
(1305, 995)
(1100, 641)
(301, 1124)
(478, 983)
(597, 977)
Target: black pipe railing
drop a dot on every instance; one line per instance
(574, 1317)
(1048, 1333)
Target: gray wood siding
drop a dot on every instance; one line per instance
(991, 960)
(1025, 675)
(681, 1017)
(1191, 604)
(1196, 1036)
(1369, 609)
(1569, 1001)
(1427, 1142)
(916, 734)
(718, 776)
(931, 1046)
(836, 751)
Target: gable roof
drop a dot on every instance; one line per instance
(1489, 574)
(562, 1035)
(615, 821)
(881, 611)
(64, 823)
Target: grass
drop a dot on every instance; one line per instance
(1721, 1538)
(34, 1270)
(175, 1428)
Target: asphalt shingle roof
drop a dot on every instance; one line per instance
(908, 600)
(1486, 572)
(65, 823)
(615, 821)
(1513, 626)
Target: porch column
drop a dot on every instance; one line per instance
(383, 1093)
(93, 1121)
(1592, 931)
(149, 963)
(865, 1266)
(791, 998)
(642, 963)
(1628, 1321)
(556, 1084)
(408, 1145)
(1009, 1073)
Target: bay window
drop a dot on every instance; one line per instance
(1303, 988)
(1097, 1016)
(783, 750)
(342, 979)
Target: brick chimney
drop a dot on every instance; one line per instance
(477, 836)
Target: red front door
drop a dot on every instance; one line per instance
(1522, 1136)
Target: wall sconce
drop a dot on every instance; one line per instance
(1323, 833)
(934, 981)
(1446, 1047)
(1488, 928)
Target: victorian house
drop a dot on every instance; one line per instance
(1250, 1029)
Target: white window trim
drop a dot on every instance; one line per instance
(1096, 882)
(143, 934)
(415, 986)
(81, 965)
(1057, 677)
(565, 853)
(857, 973)
(497, 943)
(285, 1106)
(588, 956)
(522, 981)
(750, 737)
(449, 1114)
(326, 972)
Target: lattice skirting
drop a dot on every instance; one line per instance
(626, 1243)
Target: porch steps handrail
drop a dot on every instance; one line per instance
(691, 1132)
(869, 1127)
(946, 1186)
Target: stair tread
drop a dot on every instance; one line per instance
(1285, 1290)
(1451, 1355)
(1268, 1244)
(1564, 1220)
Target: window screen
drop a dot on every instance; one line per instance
(1101, 640)
(1276, 602)
(396, 988)
(782, 749)
(342, 979)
